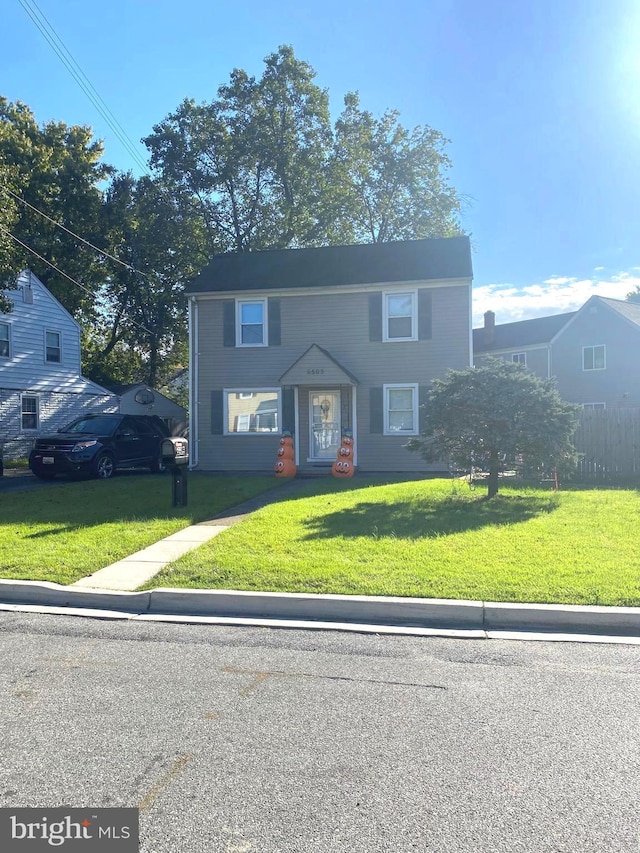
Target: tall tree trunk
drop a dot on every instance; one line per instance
(494, 468)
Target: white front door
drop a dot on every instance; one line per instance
(324, 425)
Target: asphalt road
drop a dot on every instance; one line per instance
(239, 740)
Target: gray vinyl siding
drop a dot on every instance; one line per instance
(618, 385)
(339, 323)
(537, 359)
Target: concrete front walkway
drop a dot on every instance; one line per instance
(133, 571)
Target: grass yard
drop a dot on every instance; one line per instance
(432, 538)
(65, 531)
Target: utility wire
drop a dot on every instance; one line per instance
(67, 59)
(66, 275)
(73, 234)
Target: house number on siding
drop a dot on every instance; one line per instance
(315, 371)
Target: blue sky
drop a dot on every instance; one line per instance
(541, 102)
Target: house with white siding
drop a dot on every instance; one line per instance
(41, 385)
(319, 341)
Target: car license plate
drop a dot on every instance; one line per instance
(47, 460)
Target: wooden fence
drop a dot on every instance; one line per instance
(608, 444)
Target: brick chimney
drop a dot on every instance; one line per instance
(489, 327)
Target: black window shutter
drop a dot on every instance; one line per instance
(376, 415)
(375, 316)
(274, 322)
(216, 413)
(424, 315)
(288, 410)
(229, 322)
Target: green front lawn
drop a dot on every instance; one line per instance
(432, 538)
(63, 532)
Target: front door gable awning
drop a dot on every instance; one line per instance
(317, 367)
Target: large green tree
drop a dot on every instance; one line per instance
(492, 415)
(263, 167)
(253, 162)
(57, 169)
(140, 325)
(392, 181)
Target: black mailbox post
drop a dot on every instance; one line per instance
(175, 455)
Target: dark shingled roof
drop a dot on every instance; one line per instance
(522, 333)
(329, 266)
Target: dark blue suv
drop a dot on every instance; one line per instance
(99, 444)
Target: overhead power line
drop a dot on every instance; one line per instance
(49, 33)
(66, 275)
(73, 234)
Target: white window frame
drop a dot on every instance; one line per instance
(404, 386)
(519, 358)
(386, 317)
(59, 334)
(225, 410)
(265, 321)
(24, 397)
(592, 407)
(8, 340)
(594, 347)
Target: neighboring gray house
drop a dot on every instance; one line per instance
(140, 399)
(317, 341)
(593, 353)
(41, 387)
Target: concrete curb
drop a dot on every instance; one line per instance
(281, 609)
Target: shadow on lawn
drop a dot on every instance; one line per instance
(424, 520)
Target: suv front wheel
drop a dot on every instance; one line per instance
(104, 466)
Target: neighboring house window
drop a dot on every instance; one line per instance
(251, 323)
(519, 358)
(400, 409)
(251, 412)
(399, 317)
(29, 412)
(53, 348)
(590, 407)
(5, 349)
(593, 358)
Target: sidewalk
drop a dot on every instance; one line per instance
(137, 569)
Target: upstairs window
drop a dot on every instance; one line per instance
(399, 317)
(519, 358)
(251, 323)
(594, 407)
(5, 349)
(53, 349)
(594, 358)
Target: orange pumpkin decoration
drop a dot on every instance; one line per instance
(285, 468)
(285, 451)
(285, 463)
(345, 452)
(342, 468)
(347, 440)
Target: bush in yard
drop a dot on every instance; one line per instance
(488, 416)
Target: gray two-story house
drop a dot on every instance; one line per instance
(41, 385)
(593, 353)
(319, 341)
